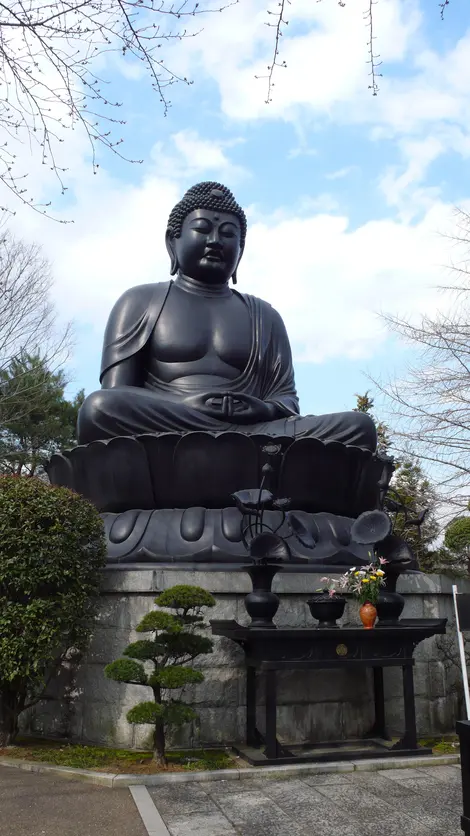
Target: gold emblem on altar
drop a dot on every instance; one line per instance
(341, 650)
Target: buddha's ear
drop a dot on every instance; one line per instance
(234, 276)
(170, 245)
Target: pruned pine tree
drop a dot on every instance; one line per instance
(162, 661)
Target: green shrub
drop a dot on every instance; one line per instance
(52, 549)
(173, 645)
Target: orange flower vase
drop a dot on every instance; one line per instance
(368, 615)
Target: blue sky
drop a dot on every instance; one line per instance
(346, 193)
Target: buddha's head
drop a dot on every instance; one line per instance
(206, 234)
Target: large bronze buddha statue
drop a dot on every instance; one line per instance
(197, 380)
(194, 354)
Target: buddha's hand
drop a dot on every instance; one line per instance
(213, 404)
(246, 409)
(239, 408)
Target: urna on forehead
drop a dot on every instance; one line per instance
(206, 195)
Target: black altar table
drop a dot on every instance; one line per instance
(269, 651)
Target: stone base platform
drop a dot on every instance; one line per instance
(84, 706)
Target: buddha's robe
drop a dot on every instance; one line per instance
(151, 405)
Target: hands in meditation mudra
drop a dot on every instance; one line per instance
(194, 354)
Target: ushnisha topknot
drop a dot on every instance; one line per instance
(206, 195)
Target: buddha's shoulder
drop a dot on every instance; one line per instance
(139, 297)
(265, 307)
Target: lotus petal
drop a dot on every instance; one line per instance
(300, 530)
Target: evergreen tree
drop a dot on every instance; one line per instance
(364, 403)
(411, 497)
(457, 540)
(416, 523)
(36, 419)
(160, 661)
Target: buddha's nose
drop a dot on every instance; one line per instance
(213, 237)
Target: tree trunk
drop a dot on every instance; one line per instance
(159, 745)
(8, 718)
(159, 735)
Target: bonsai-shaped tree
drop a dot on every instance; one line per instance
(52, 551)
(174, 643)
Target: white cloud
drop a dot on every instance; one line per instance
(326, 55)
(437, 91)
(328, 280)
(326, 80)
(301, 151)
(405, 186)
(401, 189)
(325, 47)
(54, 143)
(309, 205)
(341, 172)
(190, 155)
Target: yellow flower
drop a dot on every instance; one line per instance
(380, 573)
(356, 574)
(373, 577)
(365, 580)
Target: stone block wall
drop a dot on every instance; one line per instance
(84, 706)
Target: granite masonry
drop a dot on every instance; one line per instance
(84, 706)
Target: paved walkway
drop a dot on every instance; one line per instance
(394, 802)
(40, 805)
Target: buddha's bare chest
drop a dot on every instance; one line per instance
(201, 334)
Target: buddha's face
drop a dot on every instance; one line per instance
(209, 247)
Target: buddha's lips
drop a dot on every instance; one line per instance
(213, 256)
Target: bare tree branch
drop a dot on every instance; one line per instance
(430, 406)
(373, 58)
(48, 52)
(27, 316)
(52, 79)
(279, 22)
(368, 14)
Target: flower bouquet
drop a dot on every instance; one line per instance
(365, 584)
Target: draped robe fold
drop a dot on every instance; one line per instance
(154, 406)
